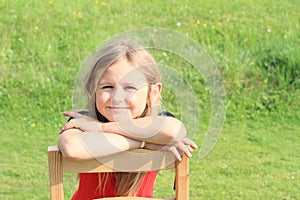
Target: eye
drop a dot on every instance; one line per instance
(130, 88)
(106, 87)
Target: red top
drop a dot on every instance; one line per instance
(88, 186)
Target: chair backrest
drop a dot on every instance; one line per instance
(144, 160)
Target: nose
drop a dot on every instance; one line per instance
(119, 95)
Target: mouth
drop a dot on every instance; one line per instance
(118, 108)
(119, 112)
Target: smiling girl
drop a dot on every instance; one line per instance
(122, 85)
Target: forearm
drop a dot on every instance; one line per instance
(154, 129)
(76, 144)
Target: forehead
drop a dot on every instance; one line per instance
(123, 72)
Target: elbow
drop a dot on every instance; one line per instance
(67, 144)
(176, 130)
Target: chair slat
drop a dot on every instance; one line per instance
(144, 160)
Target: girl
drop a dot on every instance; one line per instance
(123, 89)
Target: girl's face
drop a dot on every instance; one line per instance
(122, 92)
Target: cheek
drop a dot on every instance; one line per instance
(102, 99)
(138, 99)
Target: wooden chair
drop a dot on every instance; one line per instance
(152, 160)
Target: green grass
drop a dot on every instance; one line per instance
(255, 45)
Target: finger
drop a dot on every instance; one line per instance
(69, 125)
(190, 142)
(190, 148)
(175, 152)
(194, 145)
(184, 149)
(73, 114)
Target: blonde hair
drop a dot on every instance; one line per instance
(136, 55)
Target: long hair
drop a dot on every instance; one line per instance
(126, 183)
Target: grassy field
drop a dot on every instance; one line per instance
(254, 43)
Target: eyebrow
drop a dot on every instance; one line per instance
(104, 82)
(122, 83)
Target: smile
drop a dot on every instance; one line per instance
(118, 108)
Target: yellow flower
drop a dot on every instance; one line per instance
(285, 36)
(103, 3)
(50, 2)
(33, 124)
(79, 14)
(198, 21)
(219, 23)
(97, 1)
(48, 80)
(204, 25)
(212, 27)
(36, 27)
(228, 20)
(136, 14)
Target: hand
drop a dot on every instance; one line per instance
(81, 122)
(186, 146)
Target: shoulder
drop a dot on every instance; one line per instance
(166, 113)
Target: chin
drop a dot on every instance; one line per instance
(121, 118)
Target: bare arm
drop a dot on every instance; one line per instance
(76, 144)
(103, 139)
(153, 129)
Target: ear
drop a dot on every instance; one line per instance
(155, 93)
